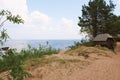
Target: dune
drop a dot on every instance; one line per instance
(83, 63)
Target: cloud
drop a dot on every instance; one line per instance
(15, 6)
(117, 7)
(39, 19)
(67, 22)
(57, 29)
(119, 1)
(70, 26)
(38, 25)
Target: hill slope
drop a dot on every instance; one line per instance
(99, 64)
(83, 63)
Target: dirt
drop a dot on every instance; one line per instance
(95, 67)
(103, 69)
(100, 68)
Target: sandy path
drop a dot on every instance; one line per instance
(103, 69)
(107, 69)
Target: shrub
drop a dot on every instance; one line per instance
(86, 42)
(38, 52)
(75, 45)
(14, 60)
(83, 42)
(18, 73)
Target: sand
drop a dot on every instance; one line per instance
(99, 68)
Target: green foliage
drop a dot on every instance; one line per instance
(9, 17)
(86, 42)
(39, 52)
(18, 73)
(8, 61)
(4, 36)
(96, 17)
(82, 43)
(14, 61)
(5, 16)
(114, 29)
(75, 45)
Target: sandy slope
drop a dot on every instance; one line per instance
(102, 69)
(93, 68)
(105, 68)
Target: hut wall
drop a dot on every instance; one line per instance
(110, 43)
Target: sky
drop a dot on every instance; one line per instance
(47, 19)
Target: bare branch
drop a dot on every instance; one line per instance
(1, 18)
(2, 23)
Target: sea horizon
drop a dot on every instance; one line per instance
(54, 43)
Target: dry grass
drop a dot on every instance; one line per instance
(33, 63)
(85, 51)
(69, 56)
(66, 63)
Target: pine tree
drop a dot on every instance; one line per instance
(96, 17)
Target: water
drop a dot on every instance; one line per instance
(23, 44)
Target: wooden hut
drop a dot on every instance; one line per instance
(105, 40)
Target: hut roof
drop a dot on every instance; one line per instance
(102, 37)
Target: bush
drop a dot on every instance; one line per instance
(38, 52)
(75, 45)
(13, 60)
(86, 42)
(82, 43)
(8, 60)
(18, 73)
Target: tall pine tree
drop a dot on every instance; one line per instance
(96, 16)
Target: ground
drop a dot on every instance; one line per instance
(96, 66)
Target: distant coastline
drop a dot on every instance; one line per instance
(23, 44)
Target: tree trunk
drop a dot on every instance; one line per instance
(94, 31)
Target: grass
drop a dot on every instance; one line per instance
(85, 51)
(33, 63)
(13, 59)
(38, 52)
(84, 48)
(34, 57)
(81, 43)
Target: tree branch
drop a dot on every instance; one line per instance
(2, 23)
(1, 18)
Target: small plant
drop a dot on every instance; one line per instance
(38, 52)
(18, 73)
(13, 62)
(75, 45)
(83, 42)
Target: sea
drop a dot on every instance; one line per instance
(23, 44)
